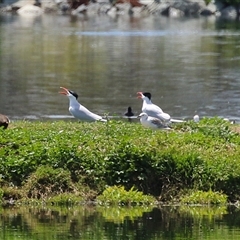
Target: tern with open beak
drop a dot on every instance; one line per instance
(78, 110)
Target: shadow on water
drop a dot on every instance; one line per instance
(120, 223)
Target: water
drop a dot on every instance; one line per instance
(189, 65)
(89, 223)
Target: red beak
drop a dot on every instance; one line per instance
(65, 91)
(139, 94)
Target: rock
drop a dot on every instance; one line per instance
(174, 12)
(229, 13)
(30, 10)
(177, 7)
(214, 7)
(22, 3)
(53, 6)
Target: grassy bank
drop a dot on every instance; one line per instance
(40, 160)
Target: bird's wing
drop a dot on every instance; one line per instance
(160, 115)
(83, 113)
(156, 121)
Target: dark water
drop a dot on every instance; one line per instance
(189, 65)
(139, 223)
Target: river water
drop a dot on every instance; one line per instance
(189, 65)
(137, 223)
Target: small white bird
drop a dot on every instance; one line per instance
(196, 118)
(152, 109)
(78, 110)
(152, 122)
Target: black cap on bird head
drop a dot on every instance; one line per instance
(73, 93)
(147, 94)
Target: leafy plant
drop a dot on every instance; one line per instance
(117, 195)
(206, 198)
(44, 159)
(47, 181)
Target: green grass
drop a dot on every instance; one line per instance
(43, 159)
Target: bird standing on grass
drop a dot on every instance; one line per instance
(151, 109)
(154, 110)
(152, 122)
(78, 110)
(4, 121)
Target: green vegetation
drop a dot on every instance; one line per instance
(71, 162)
(205, 198)
(117, 195)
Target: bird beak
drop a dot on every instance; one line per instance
(139, 94)
(64, 92)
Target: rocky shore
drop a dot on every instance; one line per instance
(169, 8)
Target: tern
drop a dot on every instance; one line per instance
(152, 122)
(4, 121)
(154, 110)
(78, 110)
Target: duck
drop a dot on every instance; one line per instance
(4, 121)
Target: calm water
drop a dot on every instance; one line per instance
(189, 65)
(90, 223)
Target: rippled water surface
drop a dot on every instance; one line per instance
(139, 223)
(189, 65)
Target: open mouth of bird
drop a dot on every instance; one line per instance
(64, 91)
(139, 94)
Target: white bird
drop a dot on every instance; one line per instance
(152, 109)
(78, 110)
(152, 122)
(196, 118)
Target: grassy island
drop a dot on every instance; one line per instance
(119, 161)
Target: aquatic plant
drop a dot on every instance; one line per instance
(204, 198)
(117, 195)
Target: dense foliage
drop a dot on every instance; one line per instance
(72, 157)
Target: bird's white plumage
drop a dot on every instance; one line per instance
(196, 118)
(79, 111)
(152, 109)
(152, 122)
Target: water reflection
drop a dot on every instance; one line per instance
(190, 65)
(120, 223)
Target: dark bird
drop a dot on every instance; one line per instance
(4, 121)
(78, 110)
(129, 112)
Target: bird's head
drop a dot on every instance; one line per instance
(145, 95)
(143, 115)
(68, 93)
